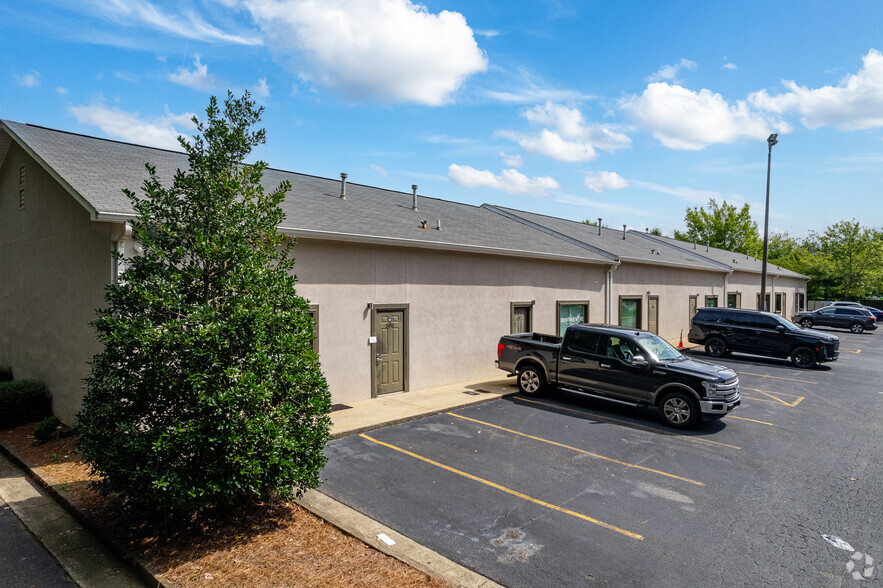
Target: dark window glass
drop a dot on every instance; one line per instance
(847, 311)
(583, 342)
(621, 349)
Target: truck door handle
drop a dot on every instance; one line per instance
(565, 358)
(606, 365)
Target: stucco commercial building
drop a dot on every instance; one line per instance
(409, 292)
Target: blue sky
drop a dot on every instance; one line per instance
(629, 111)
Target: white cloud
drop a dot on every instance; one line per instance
(522, 87)
(512, 160)
(389, 51)
(197, 78)
(187, 24)
(28, 80)
(159, 132)
(730, 66)
(380, 171)
(488, 33)
(855, 104)
(261, 89)
(692, 195)
(570, 139)
(669, 73)
(61, 90)
(510, 180)
(604, 180)
(683, 119)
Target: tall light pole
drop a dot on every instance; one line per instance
(772, 140)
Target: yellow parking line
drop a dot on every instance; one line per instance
(631, 465)
(507, 490)
(777, 378)
(752, 420)
(630, 424)
(776, 398)
(850, 350)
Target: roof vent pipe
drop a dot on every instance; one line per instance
(599, 225)
(438, 225)
(623, 232)
(706, 247)
(694, 243)
(414, 201)
(343, 186)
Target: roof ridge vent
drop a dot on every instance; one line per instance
(343, 177)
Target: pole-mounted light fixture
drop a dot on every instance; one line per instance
(771, 140)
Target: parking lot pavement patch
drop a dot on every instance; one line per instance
(630, 424)
(732, 416)
(776, 377)
(507, 490)
(578, 450)
(776, 397)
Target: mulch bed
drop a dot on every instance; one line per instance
(266, 544)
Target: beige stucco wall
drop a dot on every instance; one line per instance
(458, 306)
(748, 285)
(673, 286)
(54, 263)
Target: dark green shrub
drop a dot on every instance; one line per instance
(46, 427)
(208, 392)
(23, 402)
(5, 374)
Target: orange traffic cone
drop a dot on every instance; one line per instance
(681, 342)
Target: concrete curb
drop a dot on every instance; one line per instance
(83, 550)
(341, 516)
(405, 549)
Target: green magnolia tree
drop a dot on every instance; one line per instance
(208, 392)
(723, 226)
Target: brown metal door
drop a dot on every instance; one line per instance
(653, 314)
(521, 319)
(390, 360)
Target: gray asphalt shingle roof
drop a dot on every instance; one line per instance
(97, 170)
(636, 247)
(737, 261)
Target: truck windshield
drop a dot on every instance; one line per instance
(658, 348)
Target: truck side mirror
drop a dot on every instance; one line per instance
(639, 361)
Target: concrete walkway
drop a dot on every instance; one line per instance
(92, 564)
(393, 409)
(88, 562)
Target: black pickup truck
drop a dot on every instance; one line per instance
(623, 365)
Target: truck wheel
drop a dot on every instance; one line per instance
(806, 323)
(857, 328)
(679, 410)
(715, 347)
(803, 357)
(531, 380)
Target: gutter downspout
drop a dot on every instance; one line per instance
(608, 295)
(119, 235)
(727, 288)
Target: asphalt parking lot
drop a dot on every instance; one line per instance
(561, 491)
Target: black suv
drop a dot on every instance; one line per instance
(724, 330)
(854, 318)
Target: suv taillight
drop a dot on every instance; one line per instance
(500, 348)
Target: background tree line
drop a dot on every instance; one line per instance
(845, 262)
